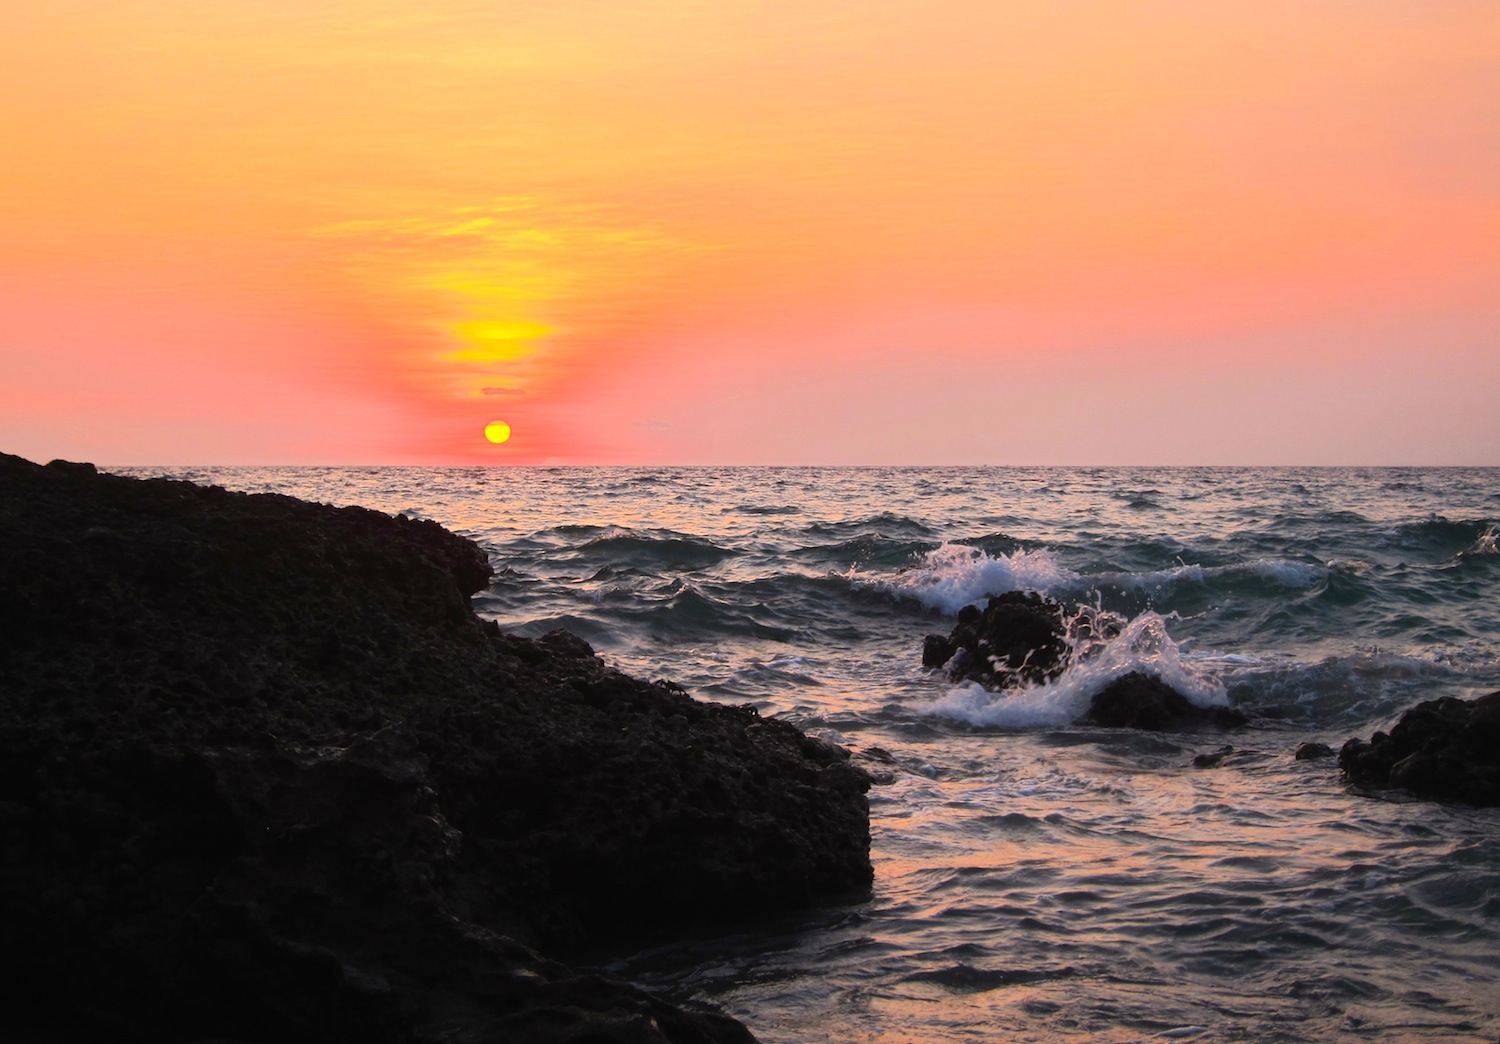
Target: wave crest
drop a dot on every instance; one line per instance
(952, 576)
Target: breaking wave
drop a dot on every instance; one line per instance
(1144, 645)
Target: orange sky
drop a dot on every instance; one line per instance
(751, 232)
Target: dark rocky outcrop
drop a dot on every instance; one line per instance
(1446, 749)
(1022, 638)
(264, 775)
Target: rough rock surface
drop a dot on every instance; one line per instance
(1017, 637)
(264, 775)
(1446, 750)
(1022, 638)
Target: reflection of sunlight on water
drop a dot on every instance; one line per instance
(1103, 888)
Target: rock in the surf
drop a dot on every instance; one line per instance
(1213, 759)
(1228, 755)
(264, 775)
(1017, 637)
(1022, 638)
(1143, 701)
(1446, 749)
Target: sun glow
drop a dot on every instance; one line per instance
(497, 431)
(490, 341)
(649, 234)
(505, 296)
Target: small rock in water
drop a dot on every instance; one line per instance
(1213, 760)
(1313, 751)
(1141, 701)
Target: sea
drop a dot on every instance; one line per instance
(1036, 879)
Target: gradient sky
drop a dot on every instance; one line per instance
(751, 231)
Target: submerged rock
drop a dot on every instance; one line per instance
(264, 775)
(1446, 749)
(1228, 755)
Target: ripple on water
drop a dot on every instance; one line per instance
(1050, 882)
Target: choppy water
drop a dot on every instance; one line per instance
(1035, 880)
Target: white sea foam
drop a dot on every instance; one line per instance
(1160, 581)
(952, 576)
(1144, 645)
(955, 575)
(1488, 542)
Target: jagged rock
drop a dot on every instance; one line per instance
(1141, 701)
(1017, 637)
(936, 650)
(264, 775)
(1446, 749)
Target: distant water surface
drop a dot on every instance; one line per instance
(1038, 880)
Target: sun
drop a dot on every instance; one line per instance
(497, 431)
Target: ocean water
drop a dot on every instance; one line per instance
(1037, 880)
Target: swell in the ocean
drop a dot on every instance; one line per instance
(1038, 879)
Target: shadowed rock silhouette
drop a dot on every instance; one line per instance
(264, 775)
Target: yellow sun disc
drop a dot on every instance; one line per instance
(497, 431)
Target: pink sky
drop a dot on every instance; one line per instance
(751, 232)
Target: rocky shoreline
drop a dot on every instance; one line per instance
(264, 775)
